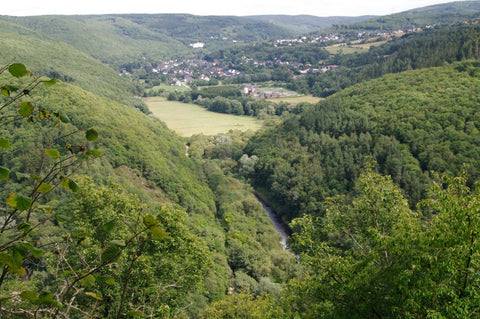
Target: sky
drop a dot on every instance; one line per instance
(322, 8)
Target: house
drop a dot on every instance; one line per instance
(197, 45)
(250, 89)
(329, 67)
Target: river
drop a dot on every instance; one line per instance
(277, 222)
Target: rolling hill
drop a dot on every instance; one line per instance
(302, 24)
(447, 13)
(166, 227)
(118, 39)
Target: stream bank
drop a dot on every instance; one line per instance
(280, 226)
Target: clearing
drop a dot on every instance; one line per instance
(189, 119)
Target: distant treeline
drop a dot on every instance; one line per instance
(231, 100)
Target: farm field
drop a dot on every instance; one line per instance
(298, 99)
(189, 119)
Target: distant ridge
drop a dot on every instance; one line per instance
(446, 13)
(307, 23)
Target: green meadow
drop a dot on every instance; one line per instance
(298, 99)
(189, 119)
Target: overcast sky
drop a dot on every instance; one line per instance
(321, 8)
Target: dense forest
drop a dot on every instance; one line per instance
(107, 213)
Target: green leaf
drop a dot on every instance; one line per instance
(4, 173)
(23, 203)
(44, 188)
(19, 202)
(61, 218)
(50, 82)
(88, 281)
(31, 296)
(11, 200)
(24, 227)
(70, 185)
(105, 280)
(53, 153)
(5, 259)
(8, 89)
(152, 225)
(18, 70)
(110, 253)
(46, 298)
(149, 221)
(157, 233)
(4, 143)
(118, 243)
(63, 117)
(91, 135)
(18, 254)
(94, 153)
(25, 109)
(108, 226)
(135, 313)
(19, 271)
(37, 253)
(93, 295)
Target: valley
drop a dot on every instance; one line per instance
(142, 157)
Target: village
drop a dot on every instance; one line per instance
(198, 71)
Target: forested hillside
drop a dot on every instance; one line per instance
(57, 59)
(106, 213)
(445, 13)
(121, 39)
(410, 124)
(141, 218)
(302, 24)
(429, 48)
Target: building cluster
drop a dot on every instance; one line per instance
(183, 72)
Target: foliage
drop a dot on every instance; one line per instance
(410, 123)
(42, 53)
(26, 214)
(242, 306)
(445, 13)
(373, 257)
(303, 24)
(120, 39)
(92, 263)
(156, 269)
(254, 259)
(429, 48)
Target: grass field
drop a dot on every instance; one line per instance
(298, 99)
(189, 119)
(168, 88)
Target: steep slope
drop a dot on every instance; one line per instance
(112, 39)
(118, 39)
(57, 59)
(217, 30)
